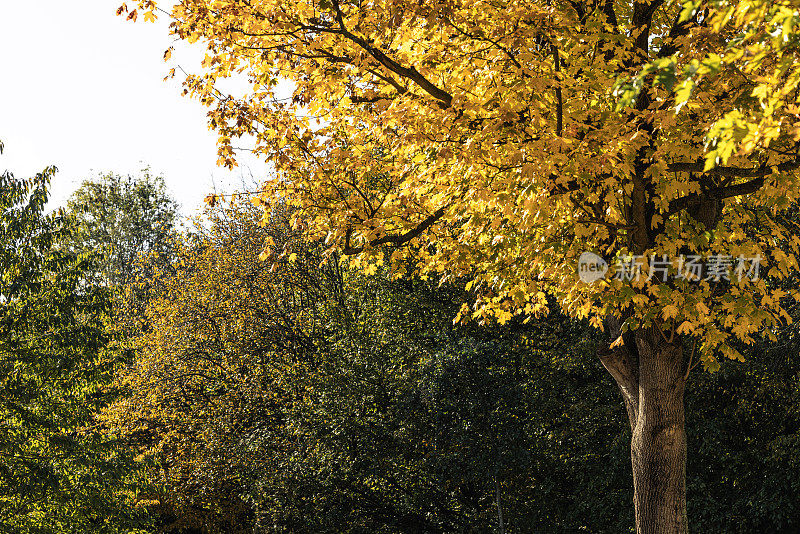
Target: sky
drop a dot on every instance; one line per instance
(83, 90)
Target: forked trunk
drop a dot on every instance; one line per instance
(649, 371)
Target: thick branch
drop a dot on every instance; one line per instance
(559, 98)
(715, 194)
(622, 363)
(393, 239)
(388, 79)
(758, 175)
(678, 29)
(642, 18)
(406, 72)
(611, 15)
(736, 172)
(368, 99)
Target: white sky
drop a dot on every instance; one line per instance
(82, 89)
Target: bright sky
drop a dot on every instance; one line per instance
(83, 90)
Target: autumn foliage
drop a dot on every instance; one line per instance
(224, 336)
(513, 137)
(476, 213)
(498, 142)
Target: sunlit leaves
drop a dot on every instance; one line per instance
(501, 142)
(213, 374)
(57, 472)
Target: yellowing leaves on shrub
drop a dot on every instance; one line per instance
(223, 337)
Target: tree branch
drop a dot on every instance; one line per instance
(758, 175)
(392, 239)
(622, 362)
(405, 72)
(736, 172)
(559, 98)
(368, 99)
(579, 10)
(642, 17)
(678, 29)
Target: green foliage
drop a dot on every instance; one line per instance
(313, 400)
(287, 397)
(57, 472)
(121, 218)
(417, 425)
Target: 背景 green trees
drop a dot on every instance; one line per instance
(366, 408)
(120, 218)
(58, 472)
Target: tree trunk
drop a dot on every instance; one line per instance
(649, 372)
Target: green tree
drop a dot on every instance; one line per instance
(58, 473)
(414, 424)
(303, 400)
(121, 218)
(280, 395)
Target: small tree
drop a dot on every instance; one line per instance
(215, 370)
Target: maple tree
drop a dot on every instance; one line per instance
(501, 140)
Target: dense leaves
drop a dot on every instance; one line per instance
(58, 473)
(308, 399)
(208, 392)
(294, 396)
(289, 378)
(509, 138)
(120, 218)
(511, 145)
(375, 413)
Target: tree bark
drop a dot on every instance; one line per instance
(649, 372)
